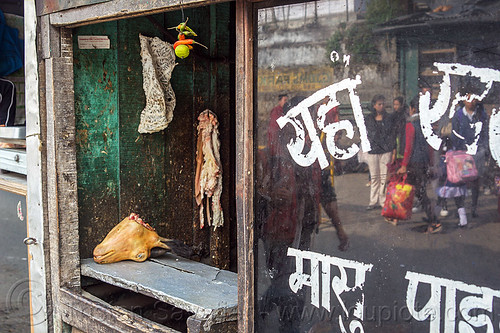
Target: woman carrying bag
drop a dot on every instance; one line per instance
(416, 162)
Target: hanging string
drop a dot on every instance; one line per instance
(182, 10)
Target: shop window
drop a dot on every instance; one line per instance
(360, 225)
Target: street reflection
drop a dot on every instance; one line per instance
(336, 150)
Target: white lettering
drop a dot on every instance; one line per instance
(305, 127)
(432, 309)
(296, 146)
(347, 59)
(334, 56)
(429, 115)
(494, 134)
(320, 288)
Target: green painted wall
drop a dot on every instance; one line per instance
(409, 69)
(97, 139)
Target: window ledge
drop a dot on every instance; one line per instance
(208, 292)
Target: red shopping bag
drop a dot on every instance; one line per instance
(398, 200)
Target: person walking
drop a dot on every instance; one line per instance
(381, 137)
(465, 122)
(416, 161)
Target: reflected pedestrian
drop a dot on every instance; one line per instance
(416, 161)
(466, 120)
(380, 134)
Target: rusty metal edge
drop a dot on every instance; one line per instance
(244, 163)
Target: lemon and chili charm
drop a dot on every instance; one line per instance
(183, 45)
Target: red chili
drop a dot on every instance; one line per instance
(183, 42)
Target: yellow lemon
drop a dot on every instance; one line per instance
(182, 51)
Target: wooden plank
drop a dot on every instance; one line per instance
(204, 290)
(50, 6)
(61, 174)
(195, 325)
(437, 51)
(42, 148)
(40, 318)
(90, 315)
(14, 141)
(14, 183)
(49, 36)
(62, 205)
(119, 9)
(97, 136)
(244, 163)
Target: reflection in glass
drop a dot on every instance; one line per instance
(357, 103)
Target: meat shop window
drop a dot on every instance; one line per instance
(362, 108)
(154, 106)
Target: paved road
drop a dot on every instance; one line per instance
(468, 255)
(14, 298)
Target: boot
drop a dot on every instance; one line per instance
(462, 217)
(332, 211)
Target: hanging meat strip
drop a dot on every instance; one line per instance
(208, 182)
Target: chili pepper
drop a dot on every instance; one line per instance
(187, 42)
(184, 29)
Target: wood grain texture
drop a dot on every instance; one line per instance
(61, 157)
(120, 9)
(91, 315)
(244, 163)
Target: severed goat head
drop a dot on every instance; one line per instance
(131, 239)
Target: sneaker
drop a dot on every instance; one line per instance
(370, 207)
(415, 209)
(443, 212)
(487, 191)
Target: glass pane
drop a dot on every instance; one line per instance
(377, 142)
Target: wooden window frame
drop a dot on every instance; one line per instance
(72, 305)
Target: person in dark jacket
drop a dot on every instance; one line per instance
(381, 137)
(400, 115)
(464, 123)
(416, 161)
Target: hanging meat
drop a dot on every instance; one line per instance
(208, 181)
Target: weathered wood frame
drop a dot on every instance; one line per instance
(57, 93)
(244, 163)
